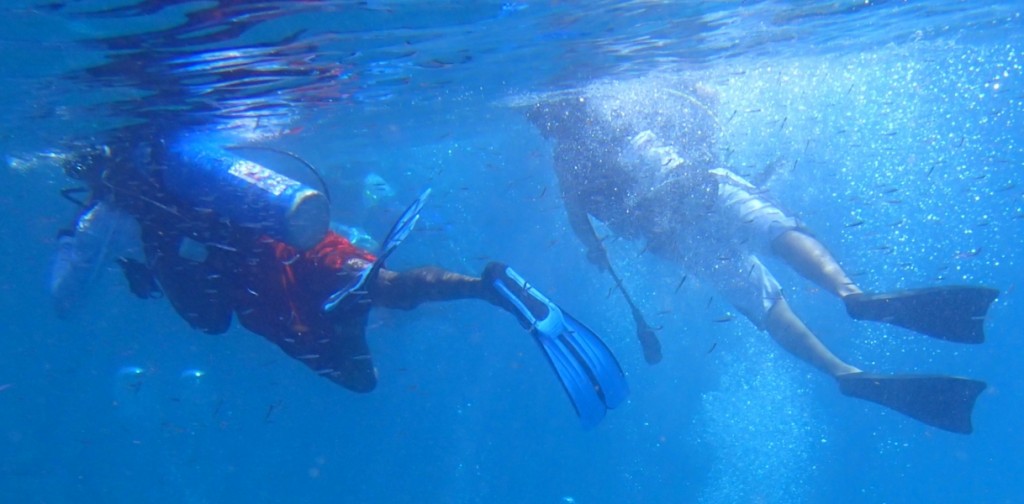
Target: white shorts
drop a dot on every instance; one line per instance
(749, 213)
(721, 249)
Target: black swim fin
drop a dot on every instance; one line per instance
(945, 402)
(950, 313)
(586, 367)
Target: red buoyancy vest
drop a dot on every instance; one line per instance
(284, 289)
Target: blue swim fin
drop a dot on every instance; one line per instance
(589, 372)
(399, 231)
(402, 227)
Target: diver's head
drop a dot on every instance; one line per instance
(376, 190)
(87, 164)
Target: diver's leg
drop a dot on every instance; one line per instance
(790, 332)
(747, 284)
(408, 289)
(586, 367)
(946, 402)
(766, 227)
(952, 313)
(813, 261)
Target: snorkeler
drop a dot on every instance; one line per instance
(225, 237)
(640, 157)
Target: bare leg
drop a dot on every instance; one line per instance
(813, 261)
(791, 333)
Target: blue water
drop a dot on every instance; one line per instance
(894, 130)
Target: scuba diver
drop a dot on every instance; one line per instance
(224, 237)
(639, 156)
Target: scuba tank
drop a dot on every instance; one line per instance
(202, 173)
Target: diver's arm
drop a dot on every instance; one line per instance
(579, 220)
(568, 169)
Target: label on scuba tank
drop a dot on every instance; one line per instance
(244, 193)
(262, 177)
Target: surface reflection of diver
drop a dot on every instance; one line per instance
(224, 237)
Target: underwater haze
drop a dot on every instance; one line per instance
(893, 129)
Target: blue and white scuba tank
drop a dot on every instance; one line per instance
(204, 174)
